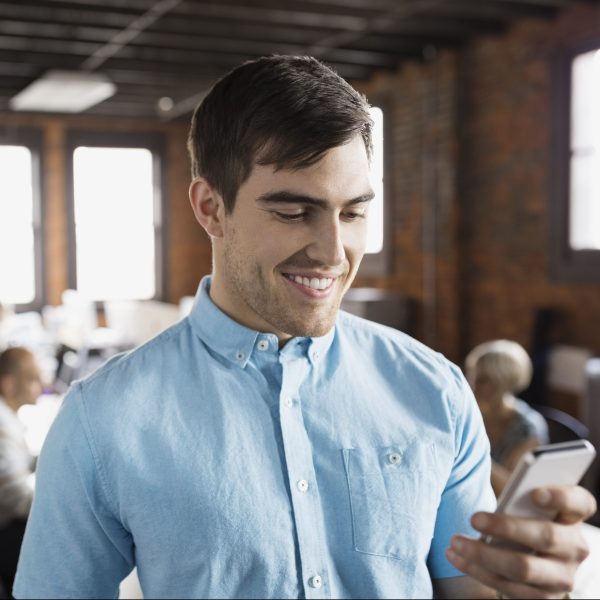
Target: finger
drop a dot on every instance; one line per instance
(518, 567)
(573, 503)
(507, 588)
(566, 542)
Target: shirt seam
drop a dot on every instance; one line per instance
(84, 419)
(140, 350)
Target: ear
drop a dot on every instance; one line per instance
(208, 207)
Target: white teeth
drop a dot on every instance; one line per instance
(314, 283)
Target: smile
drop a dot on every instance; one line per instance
(313, 283)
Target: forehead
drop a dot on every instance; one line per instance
(340, 174)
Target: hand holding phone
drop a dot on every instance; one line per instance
(553, 464)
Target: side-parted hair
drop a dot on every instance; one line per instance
(504, 363)
(285, 111)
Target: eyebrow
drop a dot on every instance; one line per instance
(282, 197)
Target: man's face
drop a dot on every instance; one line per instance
(293, 243)
(27, 382)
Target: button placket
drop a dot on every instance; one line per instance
(307, 510)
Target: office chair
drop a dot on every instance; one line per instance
(562, 427)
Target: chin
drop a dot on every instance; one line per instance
(310, 329)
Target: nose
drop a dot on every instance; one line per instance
(327, 246)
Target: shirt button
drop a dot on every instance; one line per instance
(394, 458)
(315, 355)
(315, 582)
(263, 345)
(240, 355)
(288, 401)
(302, 485)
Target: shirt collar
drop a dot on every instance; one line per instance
(236, 342)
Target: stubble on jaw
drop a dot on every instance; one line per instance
(247, 283)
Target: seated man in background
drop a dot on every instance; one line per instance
(19, 385)
(497, 370)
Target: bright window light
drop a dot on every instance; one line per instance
(375, 221)
(584, 221)
(114, 223)
(17, 265)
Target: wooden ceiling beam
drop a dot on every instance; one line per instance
(278, 15)
(51, 13)
(62, 31)
(495, 10)
(442, 27)
(32, 45)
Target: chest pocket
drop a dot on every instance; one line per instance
(393, 499)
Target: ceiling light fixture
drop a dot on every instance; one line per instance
(64, 91)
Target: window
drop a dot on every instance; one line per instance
(575, 215)
(20, 221)
(116, 217)
(377, 253)
(375, 231)
(584, 191)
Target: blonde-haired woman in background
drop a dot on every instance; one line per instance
(497, 370)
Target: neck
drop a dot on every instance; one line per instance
(241, 312)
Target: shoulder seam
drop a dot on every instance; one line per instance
(166, 334)
(84, 419)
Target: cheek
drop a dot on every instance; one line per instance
(355, 245)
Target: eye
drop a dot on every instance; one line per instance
(354, 215)
(291, 217)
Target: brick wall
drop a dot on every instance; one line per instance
(420, 103)
(506, 141)
(471, 164)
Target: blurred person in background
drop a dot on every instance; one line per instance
(19, 385)
(497, 370)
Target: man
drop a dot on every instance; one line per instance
(267, 446)
(19, 385)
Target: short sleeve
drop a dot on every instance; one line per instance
(74, 546)
(468, 488)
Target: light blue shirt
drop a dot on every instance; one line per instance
(225, 467)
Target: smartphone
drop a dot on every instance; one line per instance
(554, 464)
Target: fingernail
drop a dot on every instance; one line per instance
(481, 521)
(542, 497)
(457, 544)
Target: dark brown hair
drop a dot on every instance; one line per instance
(285, 111)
